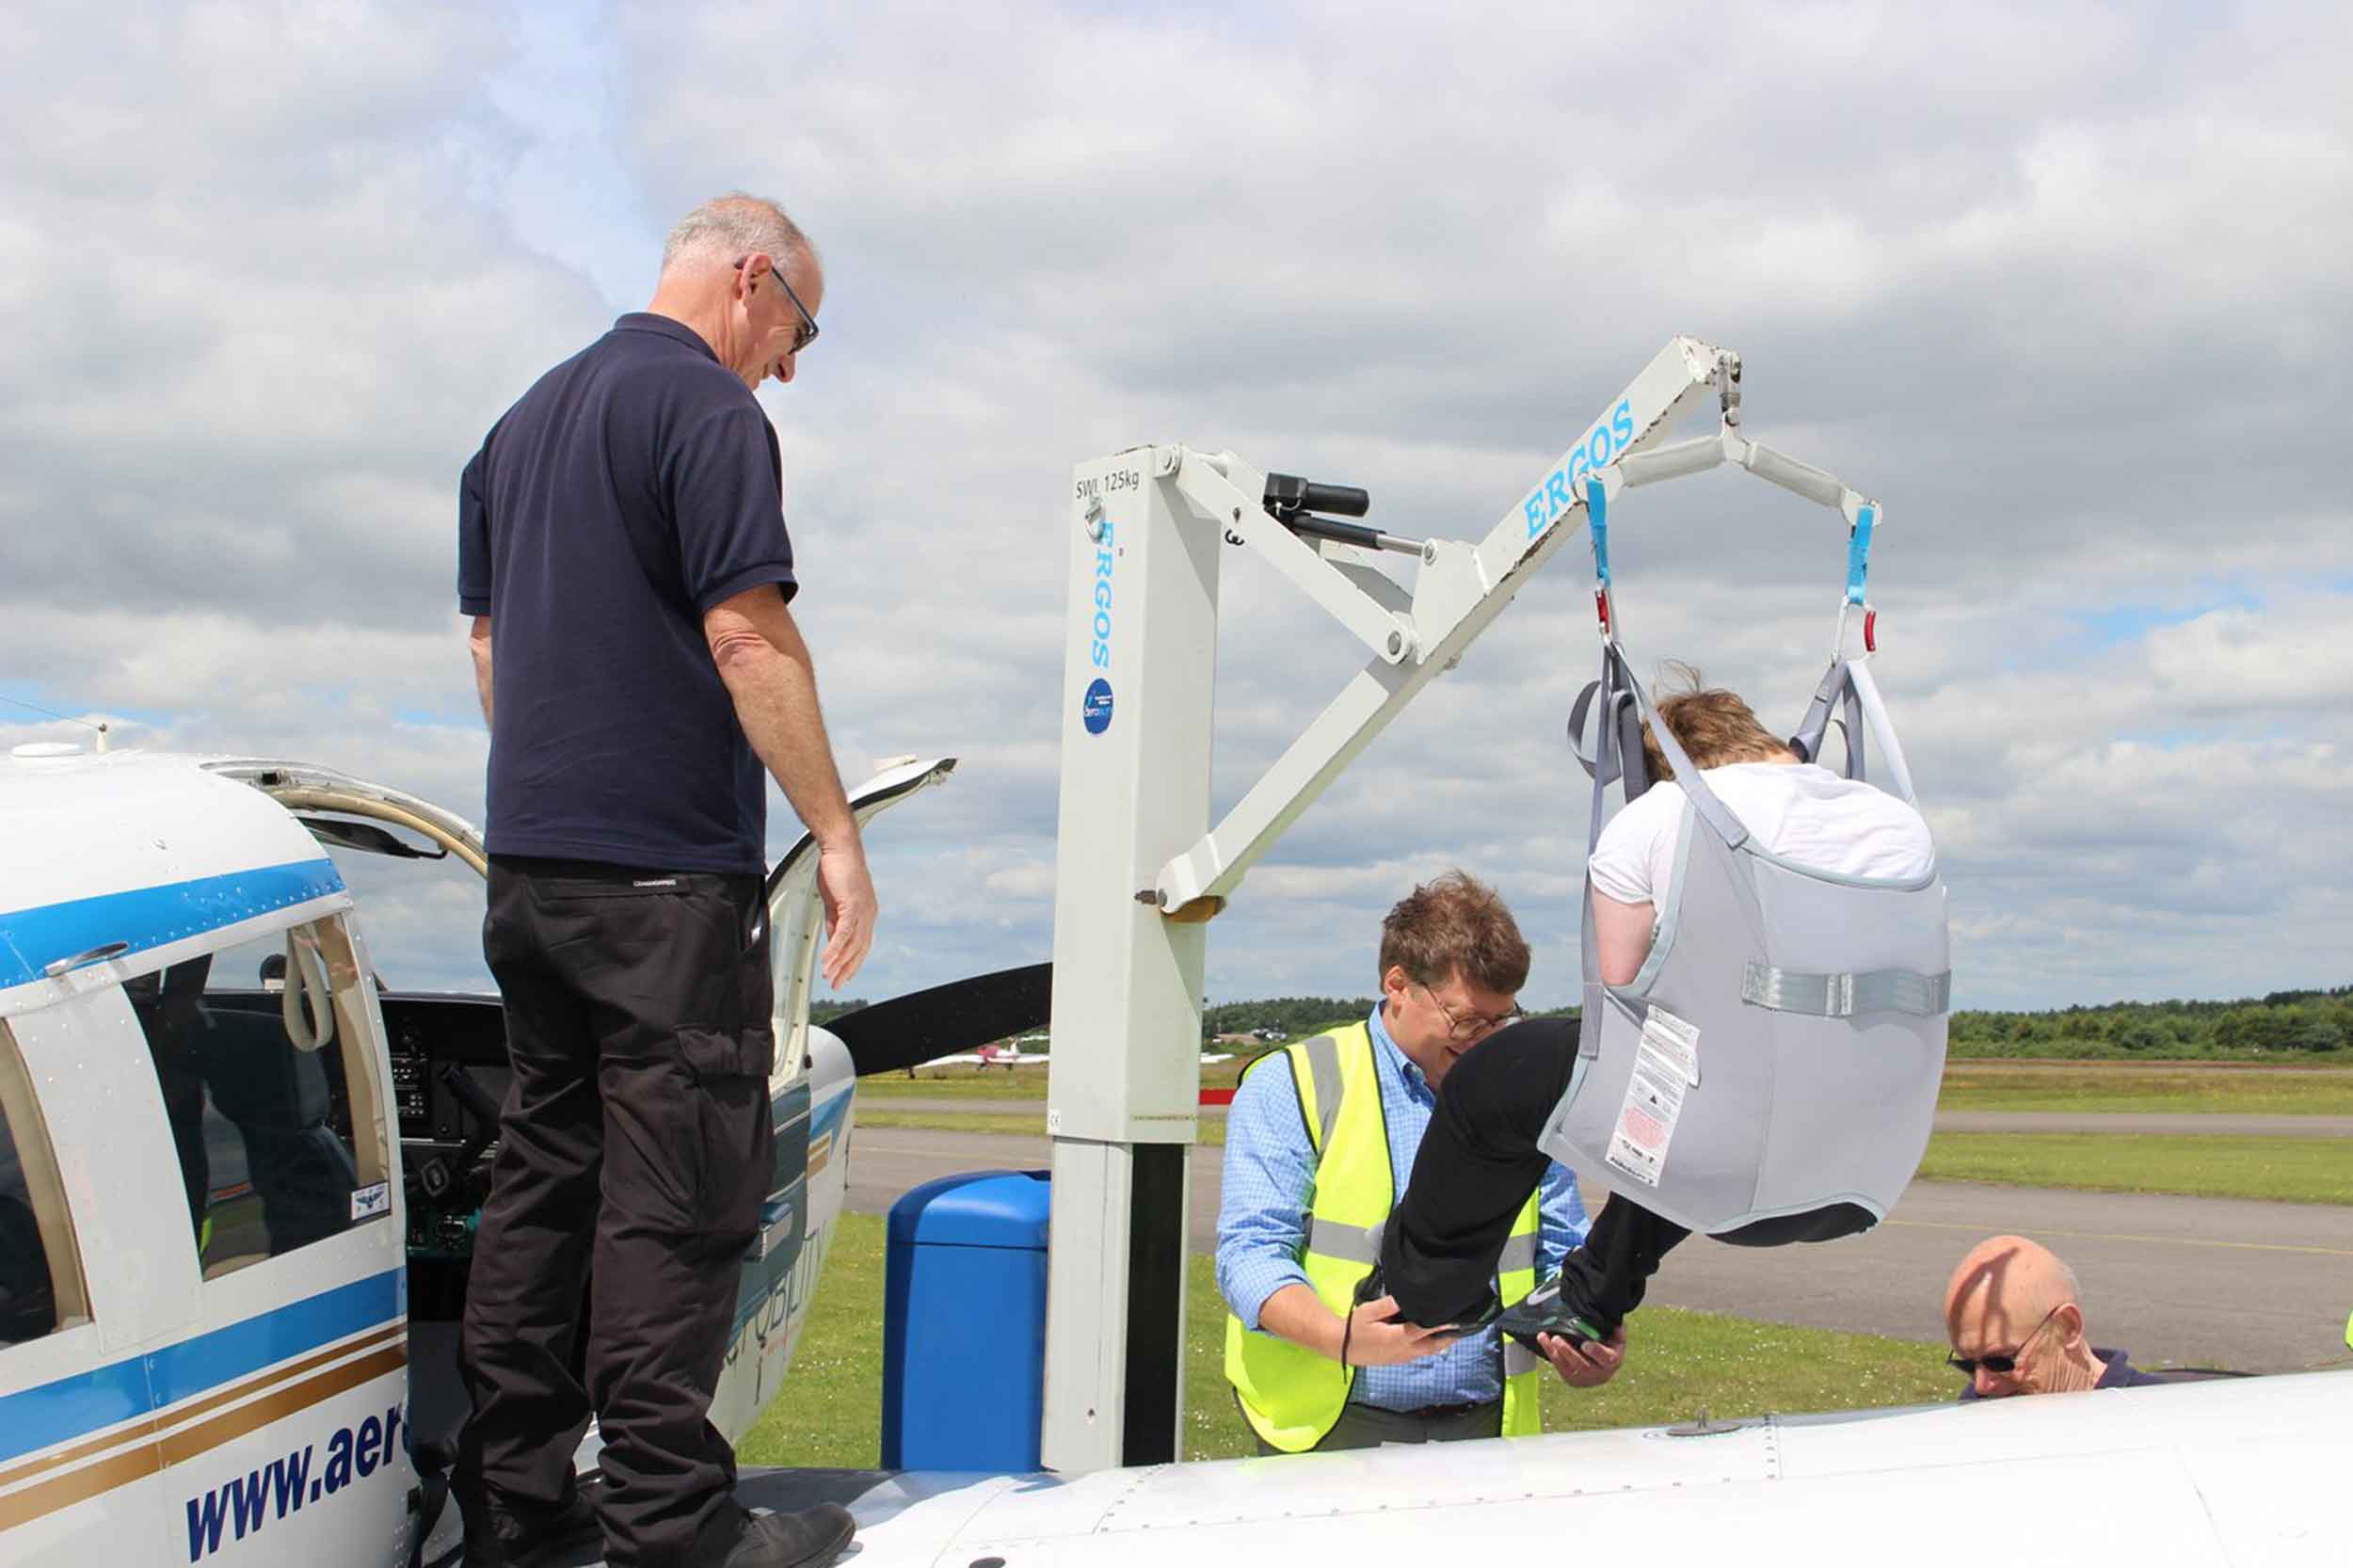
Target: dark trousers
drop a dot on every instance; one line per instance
(1364, 1426)
(1478, 1165)
(635, 1149)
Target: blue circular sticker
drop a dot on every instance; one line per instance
(1095, 709)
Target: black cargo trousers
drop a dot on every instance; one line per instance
(635, 1149)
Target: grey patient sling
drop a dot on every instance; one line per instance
(1809, 1007)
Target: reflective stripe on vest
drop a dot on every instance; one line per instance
(1290, 1396)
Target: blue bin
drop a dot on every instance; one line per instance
(964, 1324)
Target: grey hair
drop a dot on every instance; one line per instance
(733, 226)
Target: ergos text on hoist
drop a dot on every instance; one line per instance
(1100, 654)
(1601, 445)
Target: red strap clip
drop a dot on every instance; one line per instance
(1601, 608)
(1870, 630)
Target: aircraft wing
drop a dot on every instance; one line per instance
(2208, 1473)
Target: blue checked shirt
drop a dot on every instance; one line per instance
(1262, 1220)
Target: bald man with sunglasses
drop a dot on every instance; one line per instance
(2011, 1316)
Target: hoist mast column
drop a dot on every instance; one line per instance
(1123, 1087)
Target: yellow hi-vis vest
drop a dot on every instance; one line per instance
(1291, 1396)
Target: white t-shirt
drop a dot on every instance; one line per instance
(1800, 811)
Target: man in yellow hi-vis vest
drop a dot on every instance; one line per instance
(1318, 1146)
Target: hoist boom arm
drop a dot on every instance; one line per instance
(1459, 592)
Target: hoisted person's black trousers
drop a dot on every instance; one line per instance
(1478, 1165)
(635, 1149)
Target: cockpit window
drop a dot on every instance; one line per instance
(40, 1273)
(262, 1056)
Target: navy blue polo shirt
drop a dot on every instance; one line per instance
(633, 488)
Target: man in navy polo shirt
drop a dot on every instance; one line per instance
(622, 552)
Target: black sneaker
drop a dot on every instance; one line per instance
(1543, 1311)
(497, 1537)
(810, 1538)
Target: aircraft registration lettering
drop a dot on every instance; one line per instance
(800, 1285)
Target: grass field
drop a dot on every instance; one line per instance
(831, 1410)
(980, 1084)
(2285, 1170)
(1973, 1085)
(1030, 1124)
(2129, 1087)
(1014, 1084)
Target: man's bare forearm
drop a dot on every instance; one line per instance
(773, 681)
(1294, 1312)
(478, 642)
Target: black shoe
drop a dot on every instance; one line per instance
(1544, 1311)
(499, 1537)
(810, 1538)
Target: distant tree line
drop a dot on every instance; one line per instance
(2293, 1024)
(1300, 1017)
(2284, 1023)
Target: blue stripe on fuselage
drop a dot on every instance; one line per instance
(88, 1401)
(144, 918)
(826, 1117)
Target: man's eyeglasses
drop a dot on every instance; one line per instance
(1476, 1024)
(804, 334)
(2001, 1364)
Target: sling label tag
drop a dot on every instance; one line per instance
(1665, 1063)
(1675, 1039)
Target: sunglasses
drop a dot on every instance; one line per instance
(2000, 1363)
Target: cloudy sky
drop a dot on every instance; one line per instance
(2065, 286)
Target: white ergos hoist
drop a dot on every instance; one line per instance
(1140, 870)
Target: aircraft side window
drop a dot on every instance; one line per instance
(40, 1270)
(276, 1150)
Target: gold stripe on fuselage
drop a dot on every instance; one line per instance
(149, 1425)
(184, 1441)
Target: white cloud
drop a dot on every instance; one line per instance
(2059, 283)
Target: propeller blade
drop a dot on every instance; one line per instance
(961, 1016)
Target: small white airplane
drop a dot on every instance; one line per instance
(235, 1209)
(1005, 1054)
(1010, 1054)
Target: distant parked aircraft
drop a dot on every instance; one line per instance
(1007, 1054)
